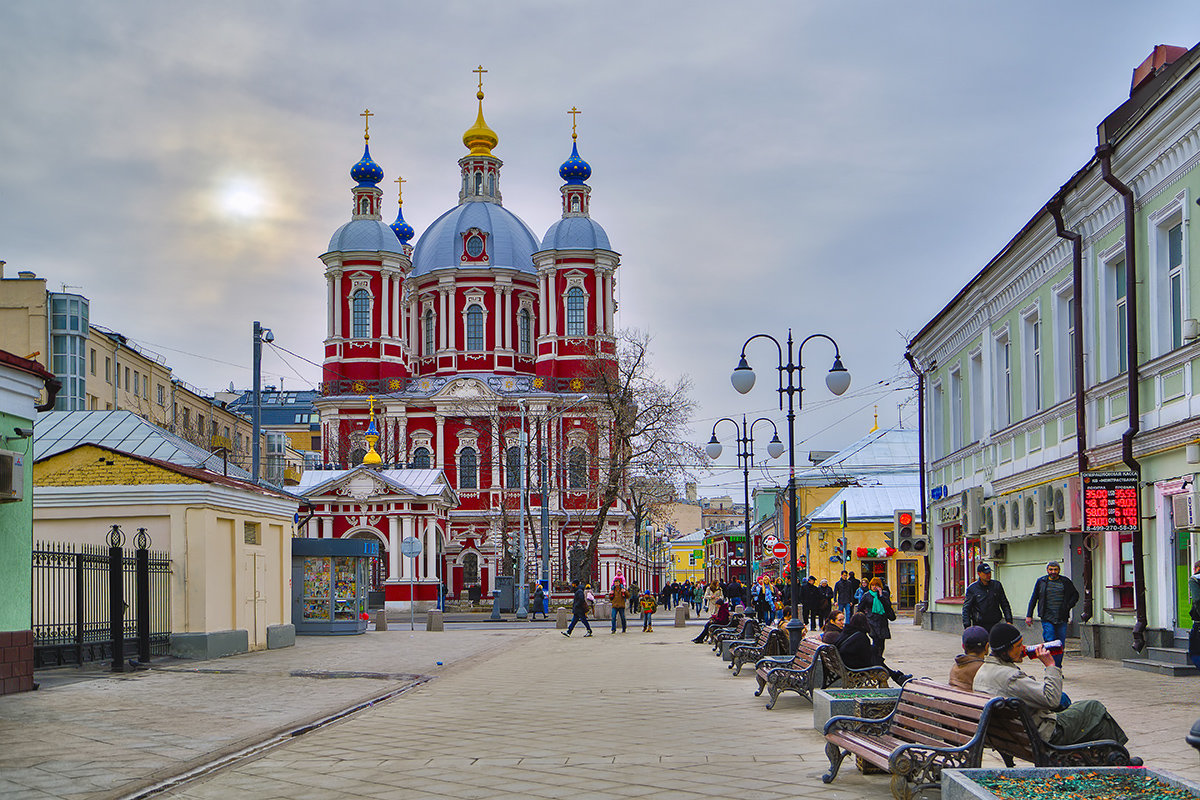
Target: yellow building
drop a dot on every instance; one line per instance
(229, 541)
(687, 557)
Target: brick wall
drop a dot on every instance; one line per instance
(16, 661)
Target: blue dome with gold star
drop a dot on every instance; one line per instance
(366, 171)
(575, 169)
(403, 230)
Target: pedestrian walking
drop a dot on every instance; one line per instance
(697, 597)
(649, 606)
(843, 593)
(985, 603)
(1053, 598)
(824, 600)
(539, 601)
(1194, 599)
(618, 596)
(809, 602)
(634, 595)
(579, 611)
(877, 605)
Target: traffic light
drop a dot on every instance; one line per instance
(903, 531)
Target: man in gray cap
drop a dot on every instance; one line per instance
(1054, 596)
(999, 676)
(985, 603)
(967, 663)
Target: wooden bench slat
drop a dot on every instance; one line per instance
(930, 734)
(938, 717)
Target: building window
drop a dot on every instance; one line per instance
(956, 410)
(1004, 406)
(362, 314)
(512, 463)
(468, 469)
(960, 554)
(576, 304)
(1123, 588)
(525, 331)
(1064, 345)
(107, 369)
(137, 379)
(475, 327)
(187, 417)
(162, 395)
(1175, 283)
(937, 419)
(976, 378)
(1033, 364)
(420, 458)
(577, 468)
(430, 341)
(127, 379)
(92, 364)
(251, 533)
(1117, 321)
(475, 246)
(200, 424)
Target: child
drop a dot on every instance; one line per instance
(648, 609)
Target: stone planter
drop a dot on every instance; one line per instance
(963, 784)
(829, 703)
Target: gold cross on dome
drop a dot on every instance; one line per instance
(366, 115)
(400, 183)
(480, 71)
(371, 400)
(574, 112)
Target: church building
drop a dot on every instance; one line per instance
(457, 371)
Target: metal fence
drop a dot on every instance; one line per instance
(73, 593)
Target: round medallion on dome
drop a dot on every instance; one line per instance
(366, 171)
(575, 169)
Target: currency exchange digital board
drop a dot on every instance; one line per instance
(1110, 501)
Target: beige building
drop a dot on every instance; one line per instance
(229, 541)
(679, 517)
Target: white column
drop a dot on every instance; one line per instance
(498, 312)
(337, 305)
(543, 305)
(406, 526)
(452, 317)
(385, 306)
(553, 299)
(609, 300)
(431, 549)
(599, 300)
(439, 441)
(393, 548)
(329, 311)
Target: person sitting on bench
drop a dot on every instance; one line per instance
(967, 663)
(999, 676)
(857, 651)
(719, 618)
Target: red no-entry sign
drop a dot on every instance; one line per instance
(780, 550)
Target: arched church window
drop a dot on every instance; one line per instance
(470, 564)
(491, 184)
(575, 204)
(478, 183)
(512, 458)
(525, 331)
(475, 327)
(577, 468)
(430, 342)
(361, 300)
(576, 322)
(468, 472)
(420, 458)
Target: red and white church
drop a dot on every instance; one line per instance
(453, 352)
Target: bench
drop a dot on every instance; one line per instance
(1012, 733)
(770, 642)
(934, 727)
(852, 677)
(744, 629)
(794, 674)
(734, 621)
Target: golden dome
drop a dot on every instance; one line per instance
(479, 138)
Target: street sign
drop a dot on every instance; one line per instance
(1110, 501)
(780, 550)
(769, 541)
(410, 546)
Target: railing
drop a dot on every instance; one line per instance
(73, 599)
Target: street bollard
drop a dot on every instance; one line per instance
(381, 620)
(561, 618)
(680, 617)
(496, 606)
(434, 621)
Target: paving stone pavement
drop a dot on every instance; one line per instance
(524, 712)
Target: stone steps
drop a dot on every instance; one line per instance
(1170, 661)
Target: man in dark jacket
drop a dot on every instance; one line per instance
(1053, 596)
(985, 603)
(810, 600)
(579, 609)
(843, 593)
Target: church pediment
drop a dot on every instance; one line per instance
(465, 389)
(359, 484)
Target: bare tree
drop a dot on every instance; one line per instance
(647, 497)
(646, 421)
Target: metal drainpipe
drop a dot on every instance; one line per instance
(912, 363)
(1055, 207)
(1105, 151)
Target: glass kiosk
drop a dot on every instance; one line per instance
(330, 580)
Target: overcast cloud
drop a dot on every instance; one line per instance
(837, 167)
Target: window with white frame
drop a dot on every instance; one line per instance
(956, 410)
(512, 463)
(420, 458)
(525, 331)
(975, 375)
(577, 468)
(1175, 293)
(1004, 405)
(1032, 341)
(468, 468)
(1064, 343)
(937, 439)
(576, 312)
(475, 327)
(361, 308)
(1120, 316)
(1167, 274)
(430, 339)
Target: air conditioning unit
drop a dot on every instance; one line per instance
(995, 551)
(1001, 506)
(989, 519)
(1064, 504)
(1185, 508)
(1034, 511)
(972, 511)
(12, 476)
(1017, 524)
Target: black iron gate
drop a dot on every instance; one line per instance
(79, 588)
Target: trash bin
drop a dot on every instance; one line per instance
(919, 613)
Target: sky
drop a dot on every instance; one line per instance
(826, 167)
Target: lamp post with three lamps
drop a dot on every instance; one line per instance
(838, 381)
(745, 454)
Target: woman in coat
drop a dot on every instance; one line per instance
(877, 606)
(857, 652)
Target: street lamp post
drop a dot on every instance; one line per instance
(838, 381)
(745, 454)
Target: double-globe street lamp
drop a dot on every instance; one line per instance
(745, 454)
(838, 381)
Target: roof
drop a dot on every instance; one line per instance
(126, 432)
(873, 500)
(369, 235)
(277, 408)
(885, 451)
(419, 482)
(696, 537)
(510, 243)
(576, 233)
